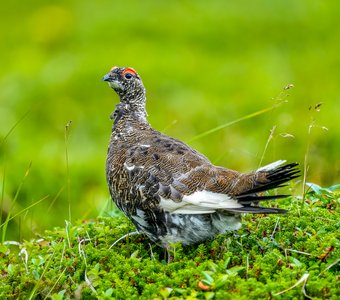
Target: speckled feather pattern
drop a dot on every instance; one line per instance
(171, 192)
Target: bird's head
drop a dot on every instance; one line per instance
(125, 82)
(130, 89)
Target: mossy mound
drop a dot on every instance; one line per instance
(293, 256)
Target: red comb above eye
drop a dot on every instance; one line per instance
(129, 70)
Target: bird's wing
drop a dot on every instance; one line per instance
(183, 181)
(179, 177)
(234, 192)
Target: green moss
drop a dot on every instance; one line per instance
(270, 254)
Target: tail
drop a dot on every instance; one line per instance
(266, 178)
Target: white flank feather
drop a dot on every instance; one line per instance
(200, 202)
(271, 166)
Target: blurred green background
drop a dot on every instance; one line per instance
(203, 63)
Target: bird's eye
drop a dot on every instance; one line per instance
(128, 75)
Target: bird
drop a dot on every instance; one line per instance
(171, 192)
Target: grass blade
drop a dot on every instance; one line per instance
(13, 203)
(210, 131)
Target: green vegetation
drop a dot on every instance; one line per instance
(271, 257)
(245, 84)
(203, 64)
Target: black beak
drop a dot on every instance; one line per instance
(107, 77)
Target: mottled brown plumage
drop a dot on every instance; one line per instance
(171, 192)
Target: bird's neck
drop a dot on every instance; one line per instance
(130, 108)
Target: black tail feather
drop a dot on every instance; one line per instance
(259, 210)
(276, 178)
(248, 199)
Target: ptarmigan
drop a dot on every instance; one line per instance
(171, 192)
